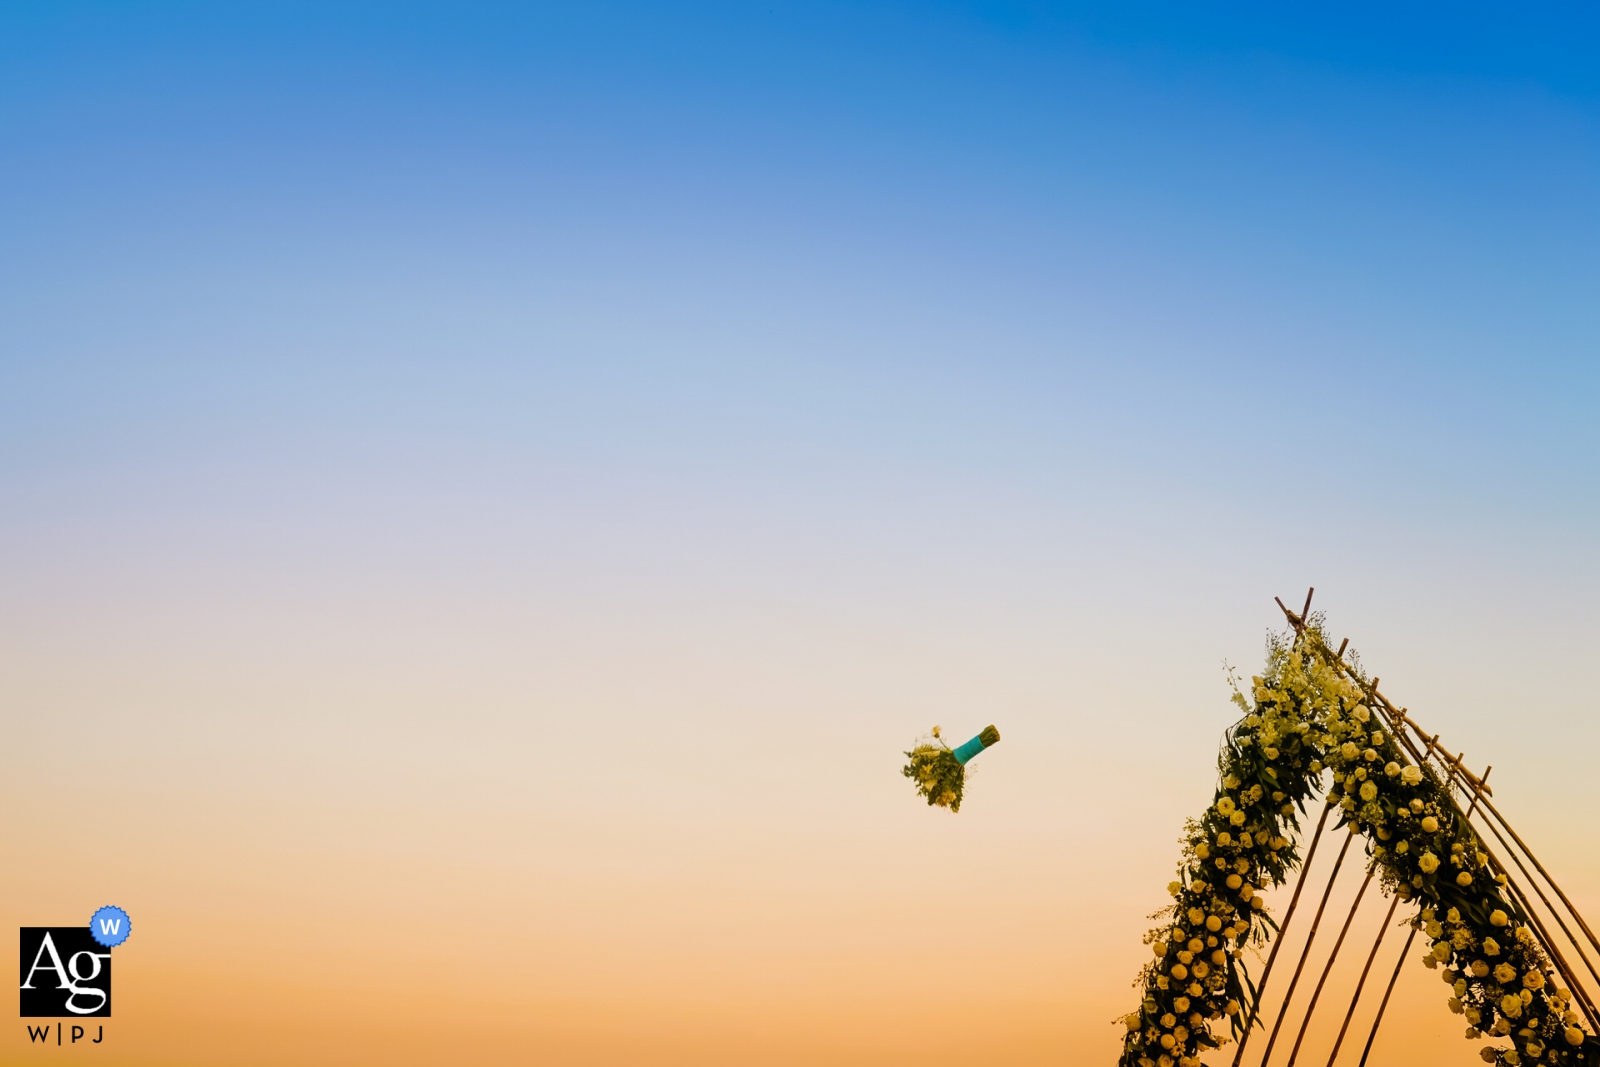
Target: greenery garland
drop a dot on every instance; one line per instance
(1305, 717)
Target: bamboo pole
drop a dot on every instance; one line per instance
(1529, 852)
(1567, 971)
(1585, 1001)
(1277, 942)
(1394, 903)
(1554, 912)
(1486, 772)
(1365, 1052)
(1480, 791)
(1311, 936)
(1333, 954)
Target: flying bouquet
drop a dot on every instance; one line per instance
(941, 771)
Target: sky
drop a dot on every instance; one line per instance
(489, 492)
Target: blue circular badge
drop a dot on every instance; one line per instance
(109, 926)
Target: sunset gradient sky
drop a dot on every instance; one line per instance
(487, 493)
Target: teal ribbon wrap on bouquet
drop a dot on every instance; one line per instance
(965, 752)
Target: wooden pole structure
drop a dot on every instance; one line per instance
(1554, 912)
(1333, 954)
(1311, 936)
(1424, 749)
(1529, 852)
(1394, 902)
(1584, 999)
(1455, 770)
(1277, 942)
(1581, 994)
(1455, 767)
(1384, 1003)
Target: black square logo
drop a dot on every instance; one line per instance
(65, 973)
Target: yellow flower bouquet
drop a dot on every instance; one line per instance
(940, 772)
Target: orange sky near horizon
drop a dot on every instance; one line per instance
(335, 850)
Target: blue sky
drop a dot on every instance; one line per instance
(848, 281)
(1145, 205)
(1130, 268)
(1049, 290)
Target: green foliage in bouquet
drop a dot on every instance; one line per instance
(940, 772)
(1309, 716)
